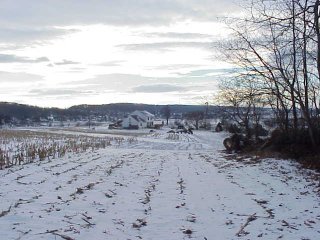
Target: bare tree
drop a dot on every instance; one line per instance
(278, 44)
(195, 116)
(245, 99)
(166, 111)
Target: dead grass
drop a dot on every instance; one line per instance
(308, 160)
(19, 147)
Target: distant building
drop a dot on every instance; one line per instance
(138, 119)
(115, 125)
(158, 123)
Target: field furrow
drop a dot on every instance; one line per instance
(158, 188)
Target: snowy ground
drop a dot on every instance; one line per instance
(160, 187)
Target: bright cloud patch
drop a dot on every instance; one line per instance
(157, 88)
(106, 51)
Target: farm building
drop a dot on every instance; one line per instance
(138, 119)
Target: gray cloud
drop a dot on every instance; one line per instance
(208, 72)
(175, 66)
(10, 58)
(158, 88)
(13, 38)
(124, 12)
(178, 35)
(75, 70)
(24, 23)
(121, 84)
(117, 82)
(110, 63)
(78, 68)
(59, 92)
(66, 62)
(164, 46)
(28, 34)
(19, 77)
(131, 82)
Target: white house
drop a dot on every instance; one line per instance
(138, 119)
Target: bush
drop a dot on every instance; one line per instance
(233, 128)
(260, 131)
(219, 127)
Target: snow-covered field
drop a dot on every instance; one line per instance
(159, 187)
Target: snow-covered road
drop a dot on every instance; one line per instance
(159, 188)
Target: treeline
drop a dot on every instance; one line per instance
(277, 50)
(116, 110)
(130, 107)
(22, 111)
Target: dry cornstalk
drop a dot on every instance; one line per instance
(249, 219)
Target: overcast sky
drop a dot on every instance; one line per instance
(67, 52)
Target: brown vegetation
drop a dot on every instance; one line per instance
(277, 50)
(22, 147)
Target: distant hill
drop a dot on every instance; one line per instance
(22, 111)
(130, 107)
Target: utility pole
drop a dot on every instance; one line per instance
(206, 115)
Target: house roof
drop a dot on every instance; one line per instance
(144, 113)
(137, 118)
(147, 113)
